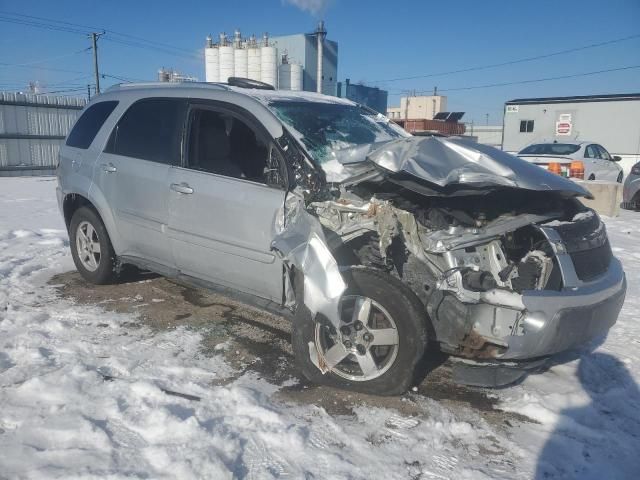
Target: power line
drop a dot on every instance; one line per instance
(26, 64)
(46, 26)
(36, 67)
(521, 82)
(70, 27)
(512, 62)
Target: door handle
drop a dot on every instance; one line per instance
(109, 167)
(182, 188)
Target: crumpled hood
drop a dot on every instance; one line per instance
(454, 161)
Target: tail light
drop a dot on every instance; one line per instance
(554, 167)
(559, 168)
(576, 170)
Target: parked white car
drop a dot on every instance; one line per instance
(597, 163)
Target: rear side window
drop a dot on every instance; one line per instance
(550, 149)
(150, 129)
(89, 124)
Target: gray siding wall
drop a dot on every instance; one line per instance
(614, 124)
(32, 128)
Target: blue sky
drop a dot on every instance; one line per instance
(378, 40)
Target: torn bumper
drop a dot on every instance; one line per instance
(557, 321)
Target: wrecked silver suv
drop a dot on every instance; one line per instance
(383, 247)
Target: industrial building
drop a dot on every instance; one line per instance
(173, 76)
(426, 114)
(32, 128)
(418, 107)
(293, 62)
(613, 121)
(372, 97)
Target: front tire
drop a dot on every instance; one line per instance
(381, 339)
(91, 247)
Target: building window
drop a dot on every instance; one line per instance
(526, 126)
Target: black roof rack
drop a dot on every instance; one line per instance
(249, 83)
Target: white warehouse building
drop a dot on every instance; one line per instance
(291, 62)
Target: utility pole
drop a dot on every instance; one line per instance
(94, 40)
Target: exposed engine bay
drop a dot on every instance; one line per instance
(472, 251)
(453, 258)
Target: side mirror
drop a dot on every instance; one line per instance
(616, 158)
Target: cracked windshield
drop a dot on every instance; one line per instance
(324, 128)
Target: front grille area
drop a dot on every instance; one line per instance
(585, 240)
(592, 263)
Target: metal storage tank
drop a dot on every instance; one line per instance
(284, 76)
(241, 66)
(296, 77)
(212, 64)
(227, 68)
(269, 64)
(254, 63)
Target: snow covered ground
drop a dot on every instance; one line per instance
(86, 393)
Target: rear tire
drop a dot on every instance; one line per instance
(393, 365)
(91, 247)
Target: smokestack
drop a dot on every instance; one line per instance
(320, 34)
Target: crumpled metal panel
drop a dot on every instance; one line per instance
(300, 241)
(451, 161)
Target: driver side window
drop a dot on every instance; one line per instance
(591, 152)
(223, 144)
(603, 153)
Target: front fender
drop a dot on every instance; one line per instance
(99, 201)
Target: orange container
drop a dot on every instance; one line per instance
(576, 170)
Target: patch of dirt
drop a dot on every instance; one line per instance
(253, 340)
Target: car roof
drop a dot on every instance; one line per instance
(262, 95)
(565, 142)
(254, 100)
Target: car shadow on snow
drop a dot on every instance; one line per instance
(600, 439)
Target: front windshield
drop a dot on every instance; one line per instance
(325, 128)
(551, 149)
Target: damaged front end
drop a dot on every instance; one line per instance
(509, 266)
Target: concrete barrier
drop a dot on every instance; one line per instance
(608, 196)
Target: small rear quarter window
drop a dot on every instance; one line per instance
(89, 124)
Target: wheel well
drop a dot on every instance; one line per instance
(71, 203)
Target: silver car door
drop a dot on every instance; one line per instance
(591, 167)
(221, 218)
(134, 171)
(610, 168)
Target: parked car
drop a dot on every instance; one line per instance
(631, 189)
(380, 246)
(582, 160)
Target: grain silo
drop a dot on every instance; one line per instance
(284, 76)
(296, 77)
(240, 54)
(227, 64)
(211, 61)
(268, 63)
(254, 60)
